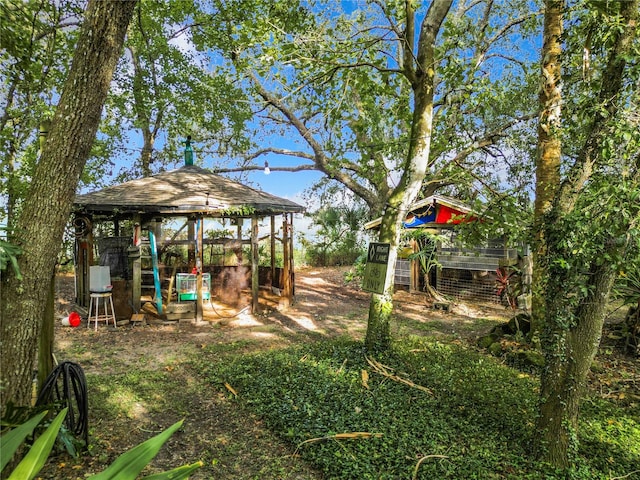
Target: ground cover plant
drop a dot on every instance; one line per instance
(474, 418)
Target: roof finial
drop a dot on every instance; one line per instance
(188, 152)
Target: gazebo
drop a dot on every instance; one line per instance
(134, 228)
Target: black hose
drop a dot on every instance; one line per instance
(66, 385)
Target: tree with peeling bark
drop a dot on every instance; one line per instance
(45, 212)
(588, 213)
(391, 101)
(549, 144)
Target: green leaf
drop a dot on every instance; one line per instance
(33, 461)
(11, 440)
(130, 464)
(175, 474)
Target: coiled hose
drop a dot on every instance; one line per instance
(66, 385)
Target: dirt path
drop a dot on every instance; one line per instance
(325, 306)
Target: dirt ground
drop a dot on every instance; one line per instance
(232, 444)
(324, 306)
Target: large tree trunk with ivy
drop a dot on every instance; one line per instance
(584, 252)
(549, 146)
(419, 68)
(569, 346)
(46, 209)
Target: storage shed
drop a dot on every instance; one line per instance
(152, 233)
(463, 272)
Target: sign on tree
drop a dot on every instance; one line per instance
(375, 270)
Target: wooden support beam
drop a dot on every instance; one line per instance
(199, 263)
(191, 246)
(287, 291)
(273, 250)
(239, 237)
(255, 281)
(136, 266)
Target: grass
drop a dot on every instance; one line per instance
(477, 423)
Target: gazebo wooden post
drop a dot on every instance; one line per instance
(292, 284)
(84, 242)
(239, 238)
(191, 237)
(273, 250)
(199, 265)
(81, 267)
(255, 280)
(136, 266)
(414, 277)
(286, 264)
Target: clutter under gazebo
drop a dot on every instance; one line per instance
(180, 238)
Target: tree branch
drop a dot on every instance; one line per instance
(320, 159)
(608, 97)
(249, 168)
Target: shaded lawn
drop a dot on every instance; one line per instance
(478, 422)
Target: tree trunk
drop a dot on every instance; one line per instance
(568, 357)
(575, 296)
(378, 337)
(549, 148)
(45, 348)
(47, 206)
(145, 155)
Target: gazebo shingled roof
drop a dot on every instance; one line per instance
(189, 189)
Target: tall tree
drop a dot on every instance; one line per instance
(419, 67)
(166, 90)
(593, 211)
(363, 96)
(46, 209)
(549, 142)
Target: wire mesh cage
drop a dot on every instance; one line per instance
(186, 286)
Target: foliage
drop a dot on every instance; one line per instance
(627, 287)
(35, 458)
(38, 42)
(356, 273)
(166, 90)
(9, 256)
(475, 424)
(507, 286)
(126, 466)
(336, 223)
(468, 424)
(333, 79)
(426, 255)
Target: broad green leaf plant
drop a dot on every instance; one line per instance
(126, 467)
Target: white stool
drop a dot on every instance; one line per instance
(94, 303)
